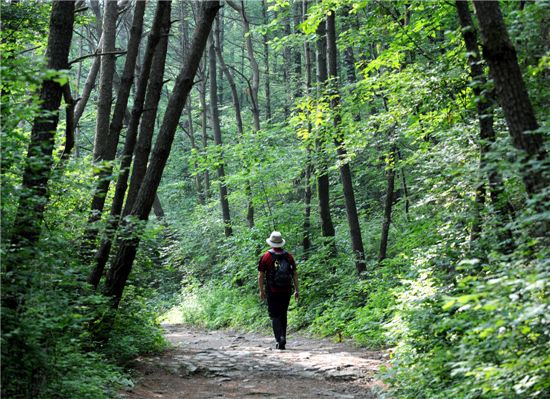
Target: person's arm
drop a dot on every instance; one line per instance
(296, 288)
(261, 284)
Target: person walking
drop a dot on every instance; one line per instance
(277, 271)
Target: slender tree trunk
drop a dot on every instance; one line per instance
(184, 27)
(105, 144)
(197, 179)
(486, 132)
(231, 82)
(404, 185)
(323, 187)
(204, 127)
(157, 208)
(102, 254)
(69, 122)
(149, 115)
(297, 14)
(267, 80)
(345, 170)
(255, 70)
(306, 241)
(38, 165)
(500, 54)
(390, 172)
(218, 136)
(122, 263)
(238, 116)
(88, 85)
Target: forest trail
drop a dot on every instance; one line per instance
(226, 364)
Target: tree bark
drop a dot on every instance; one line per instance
(486, 132)
(345, 170)
(38, 165)
(306, 240)
(104, 143)
(267, 84)
(512, 95)
(323, 188)
(218, 136)
(390, 172)
(197, 178)
(255, 85)
(297, 14)
(102, 254)
(88, 85)
(122, 263)
(238, 116)
(149, 114)
(204, 127)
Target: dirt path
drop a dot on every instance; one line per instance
(224, 364)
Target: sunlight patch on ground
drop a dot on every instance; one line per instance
(173, 316)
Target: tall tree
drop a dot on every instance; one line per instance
(238, 116)
(102, 254)
(500, 54)
(215, 119)
(388, 203)
(323, 187)
(122, 263)
(149, 114)
(255, 70)
(345, 170)
(267, 80)
(204, 122)
(38, 164)
(89, 84)
(487, 134)
(105, 143)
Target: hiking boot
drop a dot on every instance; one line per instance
(282, 343)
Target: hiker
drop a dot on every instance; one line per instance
(278, 268)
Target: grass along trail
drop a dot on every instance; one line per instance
(226, 364)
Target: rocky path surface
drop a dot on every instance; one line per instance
(224, 364)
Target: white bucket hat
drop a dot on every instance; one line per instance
(275, 240)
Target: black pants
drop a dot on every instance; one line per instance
(277, 306)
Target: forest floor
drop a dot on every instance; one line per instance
(228, 364)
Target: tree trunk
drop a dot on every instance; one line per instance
(306, 240)
(297, 14)
(238, 116)
(105, 144)
(267, 80)
(122, 263)
(390, 171)
(102, 254)
(184, 27)
(88, 85)
(149, 115)
(345, 170)
(255, 85)
(204, 127)
(486, 132)
(38, 165)
(157, 208)
(500, 54)
(215, 119)
(404, 185)
(323, 188)
(197, 179)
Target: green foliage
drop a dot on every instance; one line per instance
(466, 316)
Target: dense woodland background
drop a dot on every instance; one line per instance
(399, 146)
